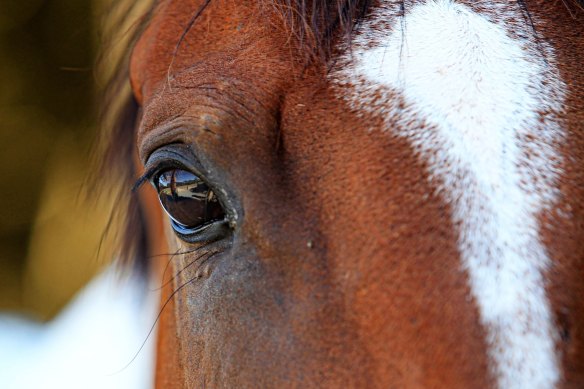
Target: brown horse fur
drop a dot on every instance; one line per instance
(342, 270)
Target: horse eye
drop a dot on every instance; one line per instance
(188, 200)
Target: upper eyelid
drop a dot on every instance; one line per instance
(175, 130)
(151, 173)
(147, 176)
(153, 167)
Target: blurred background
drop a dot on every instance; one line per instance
(50, 231)
(56, 56)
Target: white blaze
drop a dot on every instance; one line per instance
(481, 94)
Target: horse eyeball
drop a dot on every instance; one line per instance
(187, 199)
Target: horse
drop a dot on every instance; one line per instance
(359, 193)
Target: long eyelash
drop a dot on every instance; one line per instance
(147, 176)
(153, 171)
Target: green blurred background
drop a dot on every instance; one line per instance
(49, 231)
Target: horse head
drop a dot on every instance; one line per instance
(366, 194)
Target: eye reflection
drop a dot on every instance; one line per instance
(187, 199)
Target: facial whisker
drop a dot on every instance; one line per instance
(181, 253)
(166, 302)
(202, 256)
(177, 252)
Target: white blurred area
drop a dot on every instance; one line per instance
(91, 343)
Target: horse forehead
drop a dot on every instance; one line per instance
(172, 42)
(153, 49)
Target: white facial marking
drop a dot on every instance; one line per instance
(489, 101)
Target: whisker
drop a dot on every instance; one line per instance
(153, 326)
(177, 252)
(529, 21)
(162, 283)
(183, 253)
(182, 38)
(204, 260)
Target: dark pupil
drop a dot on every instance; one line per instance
(187, 199)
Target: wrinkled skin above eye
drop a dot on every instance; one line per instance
(187, 199)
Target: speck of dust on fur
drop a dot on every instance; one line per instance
(477, 90)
